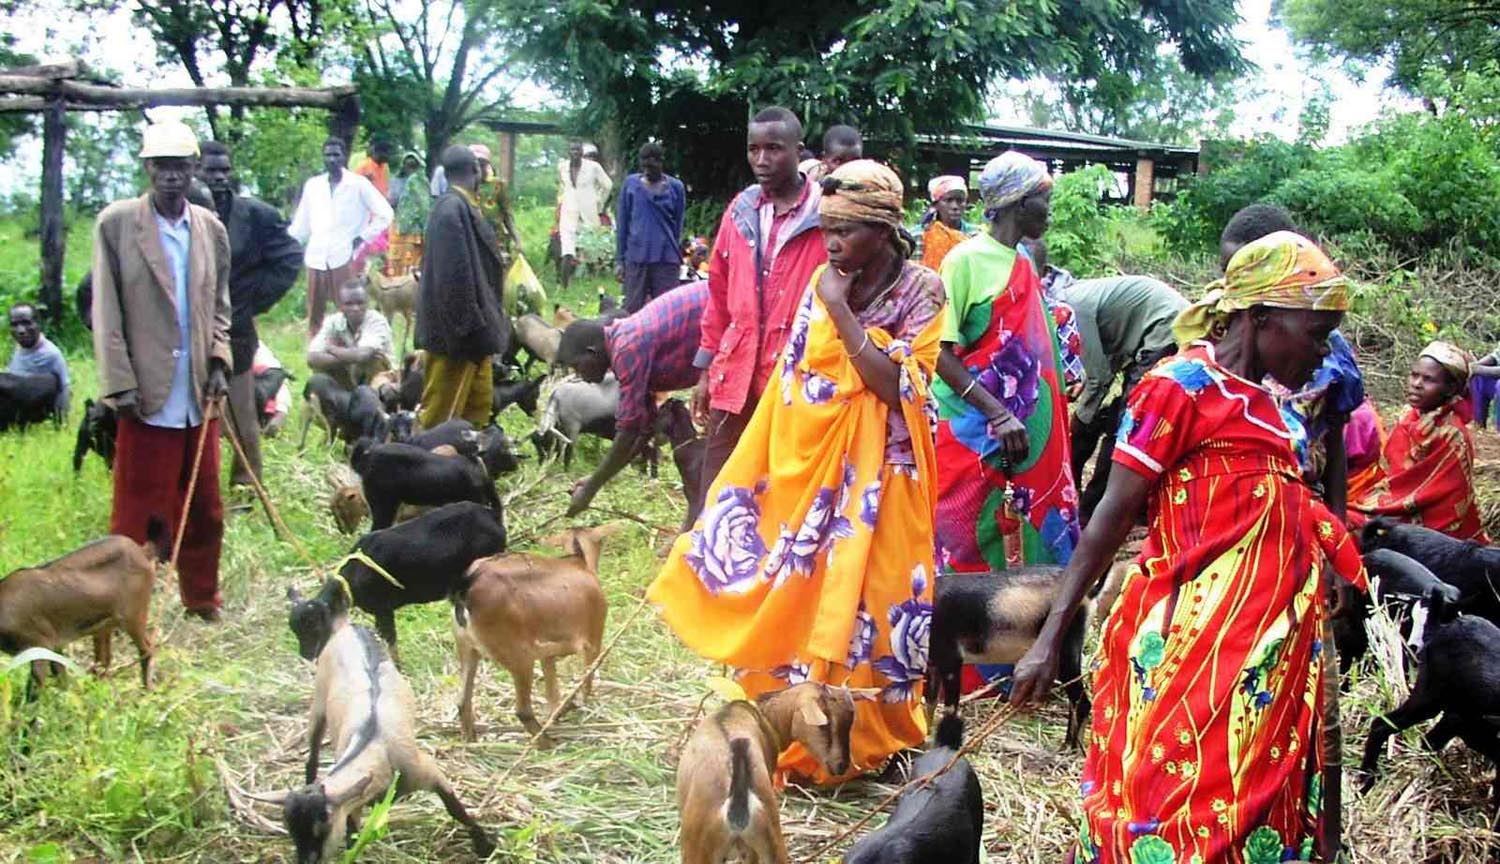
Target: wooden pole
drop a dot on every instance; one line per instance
(133, 97)
(507, 160)
(53, 228)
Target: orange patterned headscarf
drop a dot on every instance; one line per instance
(1283, 270)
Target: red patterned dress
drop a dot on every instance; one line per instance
(1430, 467)
(1208, 693)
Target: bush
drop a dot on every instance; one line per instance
(1078, 220)
(1343, 201)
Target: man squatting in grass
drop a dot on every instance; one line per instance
(764, 255)
(36, 355)
(263, 265)
(163, 364)
(650, 352)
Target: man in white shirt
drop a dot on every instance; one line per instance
(340, 211)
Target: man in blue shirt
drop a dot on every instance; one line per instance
(163, 365)
(36, 355)
(648, 232)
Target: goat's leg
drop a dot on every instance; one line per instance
(1070, 671)
(382, 511)
(307, 412)
(591, 654)
(768, 846)
(102, 646)
(484, 846)
(137, 627)
(521, 673)
(1422, 705)
(314, 745)
(1445, 730)
(385, 625)
(468, 661)
(554, 693)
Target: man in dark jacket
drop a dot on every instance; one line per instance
(458, 311)
(263, 263)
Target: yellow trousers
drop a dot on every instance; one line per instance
(456, 388)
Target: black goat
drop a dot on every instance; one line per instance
(428, 555)
(96, 432)
(994, 618)
(522, 394)
(366, 417)
(266, 385)
(490, 445)
(326, 403)
(27, 399)
(396, 474)
(1472, 568)
(413, 377)
(940, 823)
(1457, 677)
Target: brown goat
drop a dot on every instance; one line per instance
(365, 706)
(518, 609)
(725, 794)
(88, 592)
(346, 500)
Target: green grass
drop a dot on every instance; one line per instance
(111, 772)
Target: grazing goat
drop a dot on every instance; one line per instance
(366, 707)
(517, 609)
(395, 295)
(576, 407)
(428, 556)
(27, 399)
(325, 403)
(523, 394)
(396, 474)
(940, 823)
(490, 445)
(725, 794)
(1472, 568)
(1457, 677)
(994, 618)
(96, 432)
(346, 500)
(539, 338)
(90, 591)
(366, 417)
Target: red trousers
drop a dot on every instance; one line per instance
(152, 469)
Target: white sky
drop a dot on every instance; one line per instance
(113, 42)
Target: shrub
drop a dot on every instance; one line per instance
(1340, 201)
(1078, 220)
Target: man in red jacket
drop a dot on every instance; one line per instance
(767, 248)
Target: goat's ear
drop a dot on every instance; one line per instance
(352, 792)
(812, 713)
(292, 595)
(864, 694)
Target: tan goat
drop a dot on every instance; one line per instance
(725, 794)
(365, 706)
(88, 592)
(520, 608)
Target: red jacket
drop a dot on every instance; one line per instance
(746, 321)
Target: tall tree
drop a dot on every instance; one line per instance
(203, 36)
(689, 71)
(1163, 102)
(1416, 37)
(446, 67)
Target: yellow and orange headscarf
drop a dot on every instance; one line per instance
(1283, 270)
(863, 191)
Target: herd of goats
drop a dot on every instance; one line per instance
(438, 533)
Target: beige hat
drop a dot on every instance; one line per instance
(169, 139)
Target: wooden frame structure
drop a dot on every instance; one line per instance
(56, 88)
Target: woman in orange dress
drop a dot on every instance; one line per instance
(1430, 454)
(1207, 723)
(813, 559)
(944, 227)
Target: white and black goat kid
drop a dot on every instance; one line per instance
(365, 706)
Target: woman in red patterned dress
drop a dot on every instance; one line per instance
(1208, 692)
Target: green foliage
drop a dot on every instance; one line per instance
(1078, 219)
(13, 126)
(1417, 37)
(102, 165)
(1413, 183)
(376, 825)
(691, 73)
(1160, 102)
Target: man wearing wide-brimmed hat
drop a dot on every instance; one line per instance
(161, 336)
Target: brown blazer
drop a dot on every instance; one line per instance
(135, 301)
